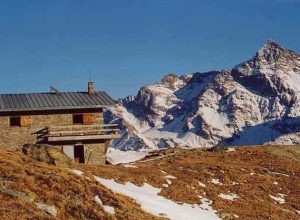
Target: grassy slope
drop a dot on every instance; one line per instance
(255, 169)
(72, 195)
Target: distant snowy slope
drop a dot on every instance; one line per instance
(256, 102)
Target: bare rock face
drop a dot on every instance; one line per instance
(256, 102)
(46, 153)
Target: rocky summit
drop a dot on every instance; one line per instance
(255, 102)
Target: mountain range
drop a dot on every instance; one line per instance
(255, 102)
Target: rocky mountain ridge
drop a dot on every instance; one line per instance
(256, 102)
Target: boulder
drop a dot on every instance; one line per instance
(17, 194)
(49, 209)
(218, 148)
(46, 153)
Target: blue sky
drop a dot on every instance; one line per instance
(123, 45)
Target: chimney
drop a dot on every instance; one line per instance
(91, 90)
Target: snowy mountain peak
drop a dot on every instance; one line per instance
(272, 59)
(272, 52)
(271, 45)
(256, 102)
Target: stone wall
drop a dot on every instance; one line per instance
(16, 137)
(95, 153)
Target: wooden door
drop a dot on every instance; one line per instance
(79, 154)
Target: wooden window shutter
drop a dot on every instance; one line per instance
(25, 121)
(88, 119)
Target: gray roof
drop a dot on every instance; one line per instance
(54, 101)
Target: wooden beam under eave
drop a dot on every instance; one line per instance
(82, 138)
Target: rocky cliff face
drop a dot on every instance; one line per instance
(255, 102)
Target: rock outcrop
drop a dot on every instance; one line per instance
(46, 153)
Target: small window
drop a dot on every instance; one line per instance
(78, 119)
(15, 121)
(83, 119)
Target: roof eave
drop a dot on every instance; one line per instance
(54, 108)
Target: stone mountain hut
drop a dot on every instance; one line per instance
(72, 121)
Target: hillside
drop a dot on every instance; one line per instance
(255, 102)
(243, 183)
(24, 183)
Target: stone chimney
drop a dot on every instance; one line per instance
(91, 90)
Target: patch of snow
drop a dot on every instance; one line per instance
(283, 174)
(206, 203)
(170, 177)
(230, 149)
(264, 133)
(77, 172)
(169, 181)
(234, 183)
(98, 200)
(115, 156)
(230, 196)
(175, 133)
(170, 143)
(275, 183)
(252, 174)
(212, 174)
(216, 182)
(130, 166)
(193, 140)
(214, 118)
(161, 101)
(280, 198)
(298, 212)
(155, 204)
(201, 184)
(122, 112)
(170, 131)
(107, 208)
(165, 185)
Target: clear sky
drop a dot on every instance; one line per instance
(123, 45)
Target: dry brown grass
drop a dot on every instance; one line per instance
(289, 152)
(73, 195)
(191, 166)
